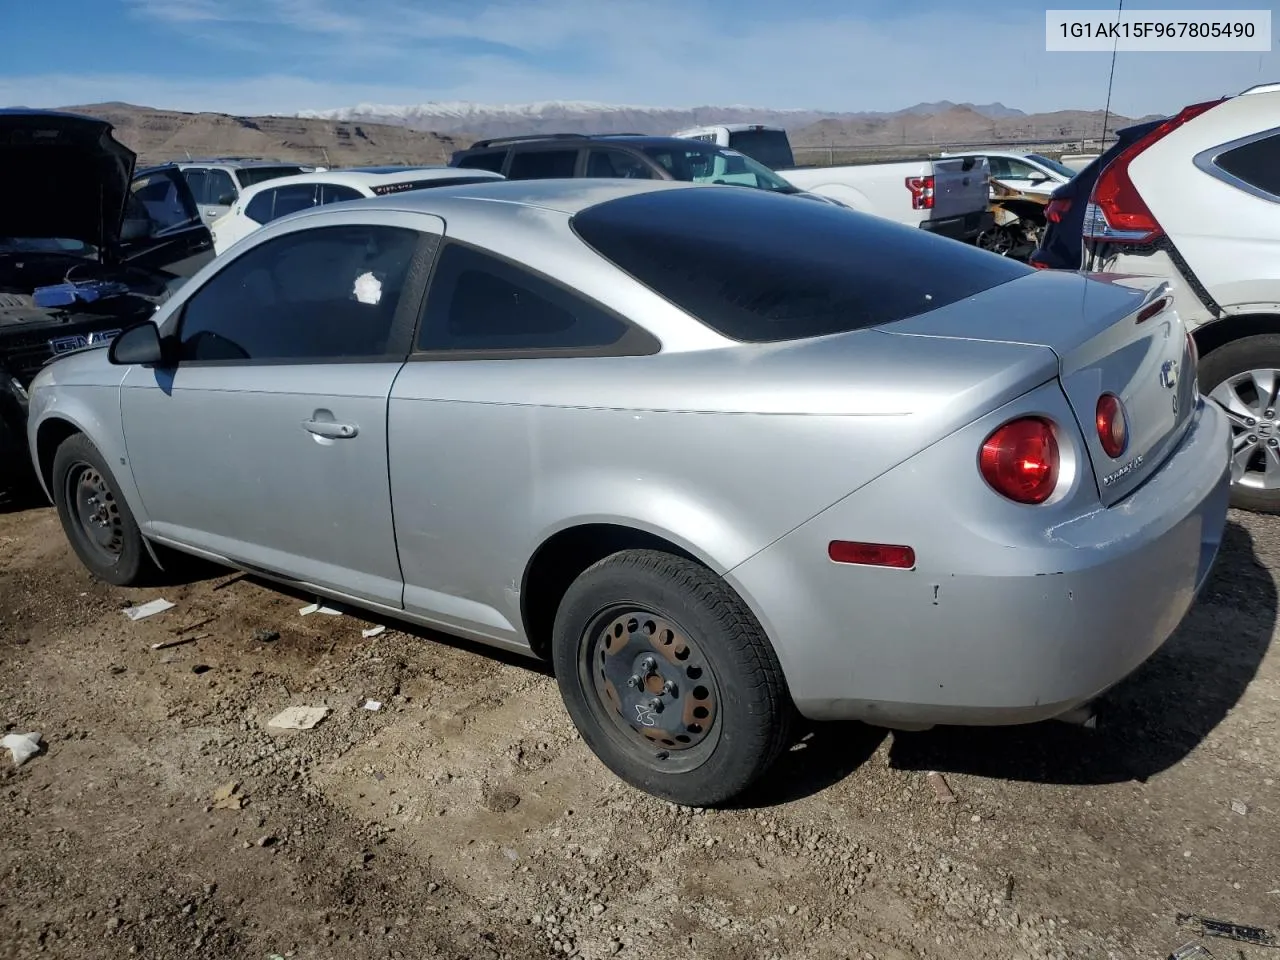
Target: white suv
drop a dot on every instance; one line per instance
(1197, 200)
(217, 184)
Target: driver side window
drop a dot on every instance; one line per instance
(324, 295)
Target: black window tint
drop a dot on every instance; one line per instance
(542, 164)
(760, 267)
(160, 199)
(294, 197)
(480, 303)
(220, 189)
(325, 294)
(336, 193)
(1257, 163)
(617, 163)
(248, 176)
(484, 161)
(197, 179)
(259, 208)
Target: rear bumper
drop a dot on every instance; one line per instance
(979, 633)
(965, 228)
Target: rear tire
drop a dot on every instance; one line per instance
(1235, 376)
(97, 521)
(696, 650)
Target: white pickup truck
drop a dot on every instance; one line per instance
(947, 196)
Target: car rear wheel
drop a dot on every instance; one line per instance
(669, 677)
(1243, 378)
(95, 518)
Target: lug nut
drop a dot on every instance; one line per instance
(669, 688)
(633, 681)
(1250, 422)
(1252, 438)
(1273, 442)
(655, 705)
(648, 665)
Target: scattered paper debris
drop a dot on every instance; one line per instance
(228, 797)
(298, 718)
(1240, 807)
(940, 787)
(148, 609)
(22, 746)
(1191, 951)
(372, 631)
(166, 644)
(374, 705)
(318, 608)
(1206, 927)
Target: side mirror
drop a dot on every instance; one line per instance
(1038, 178)
(135, 228)
(137, 345)
(226, 200)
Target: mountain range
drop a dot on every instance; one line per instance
(428, 133)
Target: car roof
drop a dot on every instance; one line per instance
(567, 196)
(371, 177)
(570, 141)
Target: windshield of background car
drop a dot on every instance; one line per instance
(1053, 165)
(770, 147)
(698, 163)
(762, 268)
(248, 176)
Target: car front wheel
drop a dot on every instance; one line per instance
(669, 677)
(95, 518)
(1243, 377)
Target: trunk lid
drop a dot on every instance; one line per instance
(1112, 334)
(959, 186)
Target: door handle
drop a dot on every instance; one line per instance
(330, 429)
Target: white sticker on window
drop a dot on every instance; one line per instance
(368, 288)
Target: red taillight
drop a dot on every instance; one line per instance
(872, 554)
(1039, 265)
(1020, 460)
(921, 192)
(1056, 209)
(1117, 213)
(1113, 428)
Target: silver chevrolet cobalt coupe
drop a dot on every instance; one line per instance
(719, 455)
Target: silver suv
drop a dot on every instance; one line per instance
(217, 183)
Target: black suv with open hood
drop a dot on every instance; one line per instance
(85, 250)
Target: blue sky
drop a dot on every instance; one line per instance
(279, 56)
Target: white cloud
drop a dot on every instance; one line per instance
(642, 51)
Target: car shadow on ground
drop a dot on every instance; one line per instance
(1147, 724)
(1153, 719)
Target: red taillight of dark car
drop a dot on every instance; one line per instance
(921, 192)
(1057, 209)
(1021, 460)
(1113, 426)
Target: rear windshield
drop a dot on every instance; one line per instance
(759, 267)
(770, 147)
(248, 176)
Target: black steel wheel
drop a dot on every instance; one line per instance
(669, 677)
(95, 518)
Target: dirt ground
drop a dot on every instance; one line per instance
(466, 820)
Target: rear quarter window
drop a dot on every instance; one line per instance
(542, 164)
(491, 161)
(759, 267)
(1256, 163)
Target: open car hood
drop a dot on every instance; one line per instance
(68, 177)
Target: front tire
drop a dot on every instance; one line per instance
(1243, 377)
(97, 521)
(669, 677)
